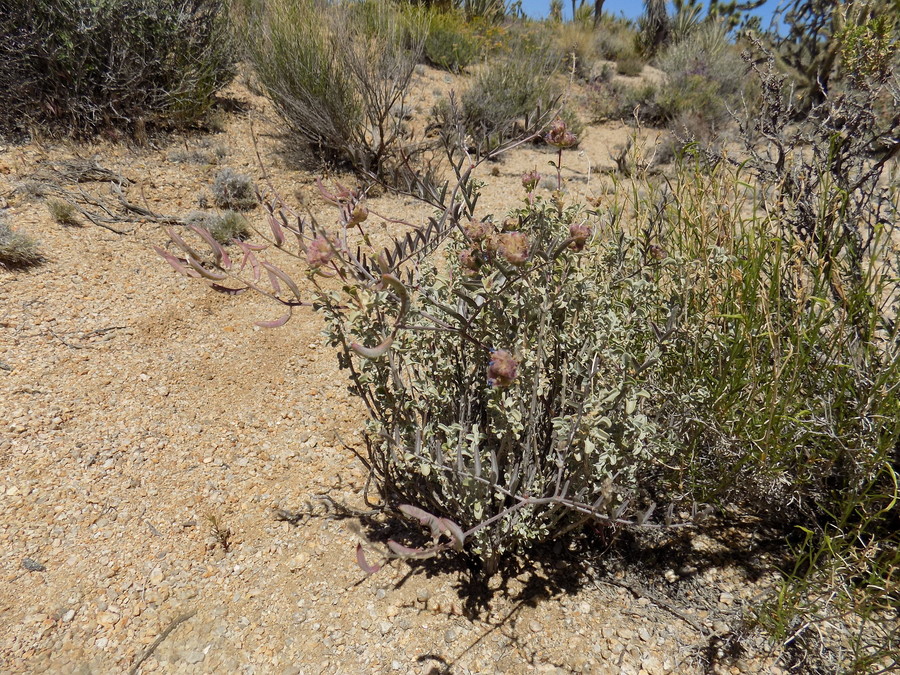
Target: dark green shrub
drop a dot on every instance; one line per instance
(17, 249)
(451, 43)
(83, 66)
(631, 65)
(336, 72)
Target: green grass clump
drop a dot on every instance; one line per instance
(783, 389)
(63, 212)
(17, 249)
(85, 66)
(225, 227)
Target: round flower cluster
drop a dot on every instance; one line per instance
(559, 135)
(579, 233)
(488, 244)
(530, 180)
(319, 252)
(502, 368)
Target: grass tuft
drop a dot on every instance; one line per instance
(233, 190)
(224, 227)
(63, 212)
(17, 249)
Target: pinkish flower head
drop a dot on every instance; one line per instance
(502, 368)
(658, 252)
(478, 230)
(319, 252)
(470, 260)
(513, 246)
(530, 179)
(358, 214)
(579, 233)
(559, 135)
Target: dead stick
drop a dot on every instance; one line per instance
(67, 344)
(158, 641)
(638, 592)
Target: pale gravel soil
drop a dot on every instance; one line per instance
(138, 406)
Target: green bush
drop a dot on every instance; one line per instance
(703, 78)
(451, 43)
(84, 66)
(17, 249)
(615, 39)
(336, 72)
(224, 227)
(784, 273)
(768, 339)
(784, 389)
(507, 89)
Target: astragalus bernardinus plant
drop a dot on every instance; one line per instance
(507, 362)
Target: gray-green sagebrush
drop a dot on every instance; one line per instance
(85, 66)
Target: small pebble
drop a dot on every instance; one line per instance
(193, 656)
(33, 565)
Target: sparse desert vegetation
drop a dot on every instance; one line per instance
(17, 249)
(583, 334)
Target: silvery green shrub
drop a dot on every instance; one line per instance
(522, 367)
(510, 382)
(88, 66)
